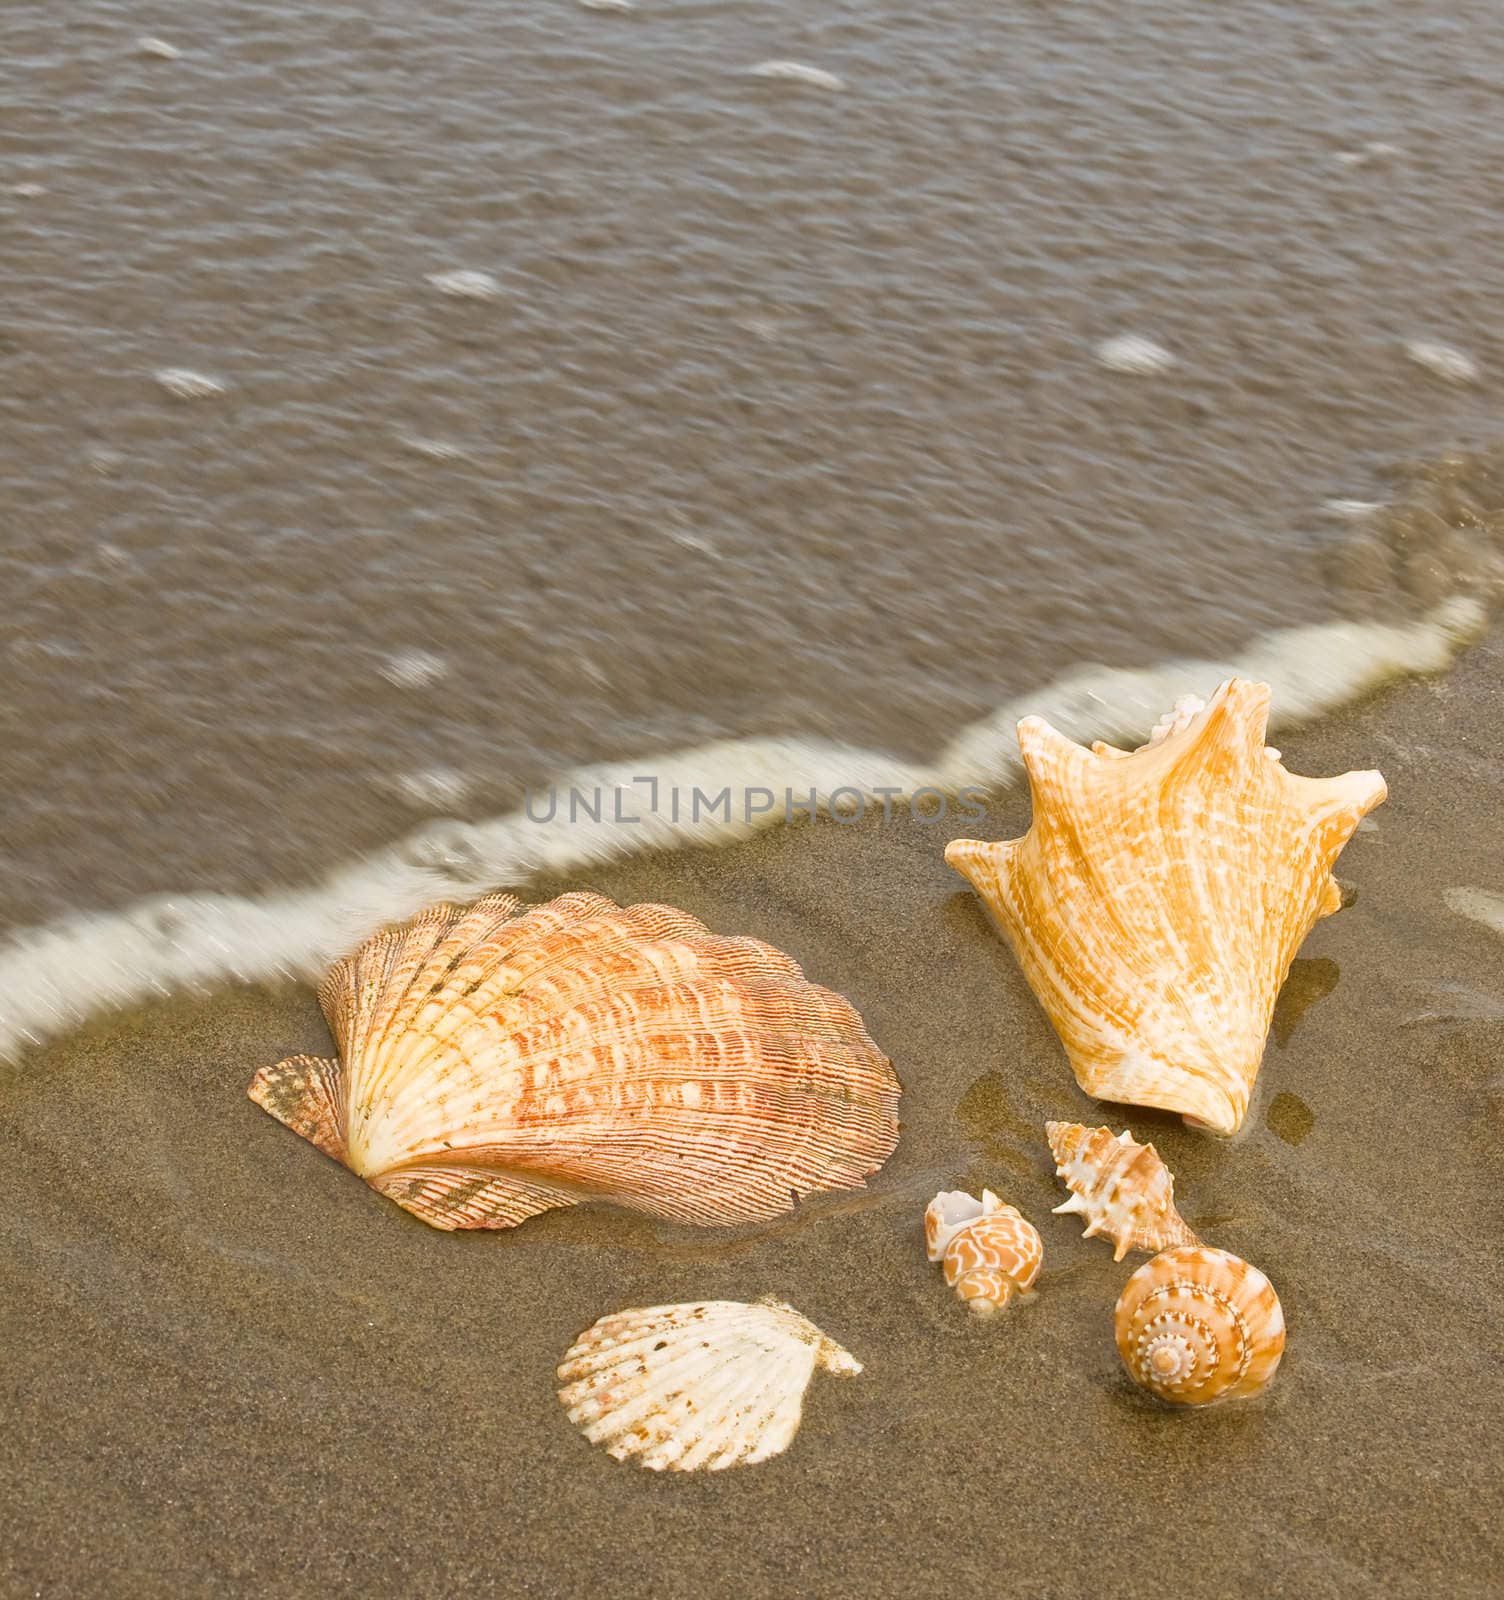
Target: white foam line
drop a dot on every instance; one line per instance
(54, 977)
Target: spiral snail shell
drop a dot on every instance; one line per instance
(1196, 1325)
(990, 1251)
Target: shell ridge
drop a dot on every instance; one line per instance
(461, 1197)
(700, 1386)
(305, 1093)
(468, 954)
(698, 1079)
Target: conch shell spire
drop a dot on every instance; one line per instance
(1159, 896)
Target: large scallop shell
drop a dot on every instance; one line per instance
(1158, 898)
(1196, 1325)
(496, 1062)
(708, 1385)
(1123, 1189)
(990, 1251)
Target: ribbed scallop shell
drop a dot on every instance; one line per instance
(1123, 1189)
(990, 1250)
(496, 1061)
(1158, 898)
(1196, 1325)
(707, 1385)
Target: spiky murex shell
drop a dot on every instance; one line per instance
(1122, 1189)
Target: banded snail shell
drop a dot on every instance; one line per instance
(1195, 1325)
(990, 1251)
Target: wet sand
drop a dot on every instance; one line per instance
(230, 1367)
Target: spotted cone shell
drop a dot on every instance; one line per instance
(496, 1061)
(706, 1385)
(1196, 1325)
(1123, 1189)
(990, 1251)
(1158, 898)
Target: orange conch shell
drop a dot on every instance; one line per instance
(1159, 897)
(990, 1250)
(1123, 1189)
(1196, 1325)
(496, 1062)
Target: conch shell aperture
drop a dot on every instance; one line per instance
(496, 1062)
(1159, 896)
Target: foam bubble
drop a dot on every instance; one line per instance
(433, 788)
(1352, 510)
(1131, 352)
(1445, 360)
(434, 449)
(414, 669)
(188, 384)
(53, 977)
(797, 72)
(1374, 150)
(465, 284)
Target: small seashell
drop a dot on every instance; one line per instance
(1159, 896)
(465, 284)
(706, 1385)
(797, 72)
(1196, 1325)
(496, 1062)
(1131, 352)
(187, 384)
(1122, 1189)
(990, 1250)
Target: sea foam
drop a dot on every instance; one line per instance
(55, 976)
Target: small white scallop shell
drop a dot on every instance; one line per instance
(709, 1384)
(990, 1250)
(1196, 1325)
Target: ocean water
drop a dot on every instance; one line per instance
(404, 406)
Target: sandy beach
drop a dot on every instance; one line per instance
(230, 1367)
